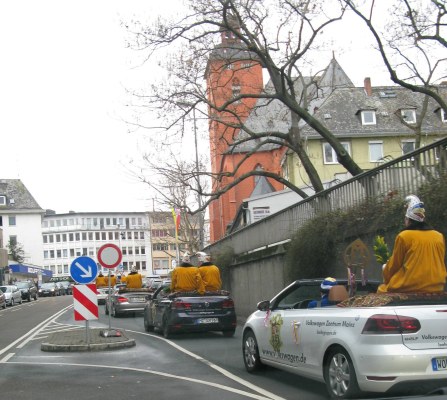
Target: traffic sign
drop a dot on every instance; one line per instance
(83, 269)
(85, 302)
(109, 255)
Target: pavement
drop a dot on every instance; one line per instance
(92, 339)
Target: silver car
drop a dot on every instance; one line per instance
(124, 300)
(12, 293)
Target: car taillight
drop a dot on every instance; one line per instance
(390, 324)
(180, 305)
(122, 299)
(228, 303)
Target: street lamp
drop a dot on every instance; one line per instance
(199, 188)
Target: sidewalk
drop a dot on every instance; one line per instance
(77, 340)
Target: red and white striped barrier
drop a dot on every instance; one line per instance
(85, 302)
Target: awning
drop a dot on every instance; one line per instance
(29, 270)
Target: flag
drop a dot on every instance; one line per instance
(176, 218)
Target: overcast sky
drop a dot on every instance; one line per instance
(63, 73)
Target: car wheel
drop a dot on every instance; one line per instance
(229, 333)
(339, 375)
(35, 296)
(251, 352)
(29, 297)
(21, 300)
(148, 327)
(113, 312)
(4, 305)
(166, 330)
(12, 302)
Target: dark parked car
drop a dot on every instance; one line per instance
(189, 312)
(49, 289)
(28, 289)
(67, 287)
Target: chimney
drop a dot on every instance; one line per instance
(367, 84)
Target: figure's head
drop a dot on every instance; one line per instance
(327, 284)
(133, 269)
(186, 258)
(414, 208)
(203, 257)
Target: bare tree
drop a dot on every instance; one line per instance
(282, 36)
(412, 43)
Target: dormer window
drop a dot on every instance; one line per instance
(408, 115)
(368, 117)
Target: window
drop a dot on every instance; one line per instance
(12, 220)
(409, 116)
(13, 240)
(78, 236)
(407, 146)
(443, 118)
(368, 117)
(329, 155)
(2, 200)
(375, 151)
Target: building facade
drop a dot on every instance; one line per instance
(21, 220)
(68, 236)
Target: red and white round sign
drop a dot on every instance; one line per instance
(109, 255)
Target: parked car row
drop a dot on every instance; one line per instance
(61, 288)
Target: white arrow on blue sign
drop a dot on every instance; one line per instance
(83, 269)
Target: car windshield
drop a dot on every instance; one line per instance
(22, 285)
(47, 285)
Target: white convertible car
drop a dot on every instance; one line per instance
(366, 343)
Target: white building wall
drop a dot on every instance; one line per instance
(68, 236)
(27, 229)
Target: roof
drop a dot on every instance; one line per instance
(273, 116)
(341, 112)
(18, 198)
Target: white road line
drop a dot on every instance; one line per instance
(5, 349)
(164, 374)
(6, 358)
(224, 372)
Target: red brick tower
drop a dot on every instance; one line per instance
(233, 70)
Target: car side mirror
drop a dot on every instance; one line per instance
(263, 305)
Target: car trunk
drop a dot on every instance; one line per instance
(433, 331)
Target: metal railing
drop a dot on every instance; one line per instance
(400, 176)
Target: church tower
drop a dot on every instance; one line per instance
(232, 70)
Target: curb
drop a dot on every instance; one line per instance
(75, 340)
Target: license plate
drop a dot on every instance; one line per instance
(208, 320)
(137, 300)
(439, 364)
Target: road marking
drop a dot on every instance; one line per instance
(164, 374)
(223, 371)
(5, 349)
(6, 358)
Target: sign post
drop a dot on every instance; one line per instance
(110, 256)
(83, 270)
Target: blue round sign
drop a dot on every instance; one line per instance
(83, 269)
